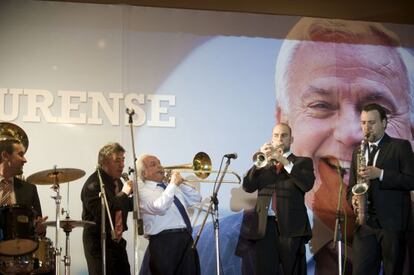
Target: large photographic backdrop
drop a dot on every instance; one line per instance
(198, 81)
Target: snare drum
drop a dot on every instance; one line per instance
(17, 234)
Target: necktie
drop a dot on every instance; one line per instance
(6, 189)
(279, 167)
(181, 208)
(371, 154)
(119, 228)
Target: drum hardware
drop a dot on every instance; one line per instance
(67, 225)
(55, 176)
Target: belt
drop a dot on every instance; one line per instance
(169, 231)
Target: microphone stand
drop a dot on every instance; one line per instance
(104, 206)
(138, 224)
(215, 215)
(338, 224)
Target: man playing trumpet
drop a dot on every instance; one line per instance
(280, 226)
(166, 222)
(389, 171)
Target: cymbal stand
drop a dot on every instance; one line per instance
(57, 199)
(66, 258)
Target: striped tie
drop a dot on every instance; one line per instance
(6, 190)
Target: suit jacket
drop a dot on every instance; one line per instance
(390, 197)
(91, 204)
(26, 194)
(290, 189)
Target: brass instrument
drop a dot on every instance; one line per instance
(10, 131)
(201, 167)
(260, 160)
(360, 189)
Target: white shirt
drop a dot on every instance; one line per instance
(375, 157)
(158, 209)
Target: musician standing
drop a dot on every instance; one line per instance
(111, 165)
(279, 226)
(166, 222)
(390, 172)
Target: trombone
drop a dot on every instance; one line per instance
(201, 167)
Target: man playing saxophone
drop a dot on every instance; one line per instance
(279, 226)
(389, 174)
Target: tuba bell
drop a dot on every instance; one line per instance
(10, 131)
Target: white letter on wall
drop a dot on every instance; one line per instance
(14, 113)
(156, 110)
(42, 105)
(67, 106)
(99, 100)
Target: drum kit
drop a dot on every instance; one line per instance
(22, 251)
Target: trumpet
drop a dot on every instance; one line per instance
(260, 160)
(360, 189)
(201, 167)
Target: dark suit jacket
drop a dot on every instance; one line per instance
(290, 189)
(390, 197)
(26, 194)
(91, 204)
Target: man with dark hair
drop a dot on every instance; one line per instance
(279, 227)
(389, 172)
(111, 164)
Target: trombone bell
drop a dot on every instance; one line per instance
(201, 167)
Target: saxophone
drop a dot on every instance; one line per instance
(360, 189)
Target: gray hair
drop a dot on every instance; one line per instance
(108, 150)
(141, 166)
(309, 30)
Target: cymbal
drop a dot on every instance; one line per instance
(59, 175)
(68, 224)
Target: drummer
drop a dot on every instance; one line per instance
(13, 190)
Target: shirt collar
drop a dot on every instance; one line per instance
(288, 153)
(377, 142)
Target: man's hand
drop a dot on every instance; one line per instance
(370, 172)
(127, 188)
(40, 228)
(176, 178)
(355, 204)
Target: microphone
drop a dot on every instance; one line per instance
(125, 176)
(231, 156)
(130, 112)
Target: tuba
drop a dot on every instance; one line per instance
(360, 189)
(10, 131)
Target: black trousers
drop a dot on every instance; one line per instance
(170, 253)
(116, 256)
(277, 254)
(372, 245)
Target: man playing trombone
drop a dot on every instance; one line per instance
(166, 222)
(280, 226)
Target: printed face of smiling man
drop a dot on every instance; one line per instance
(328, 85)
